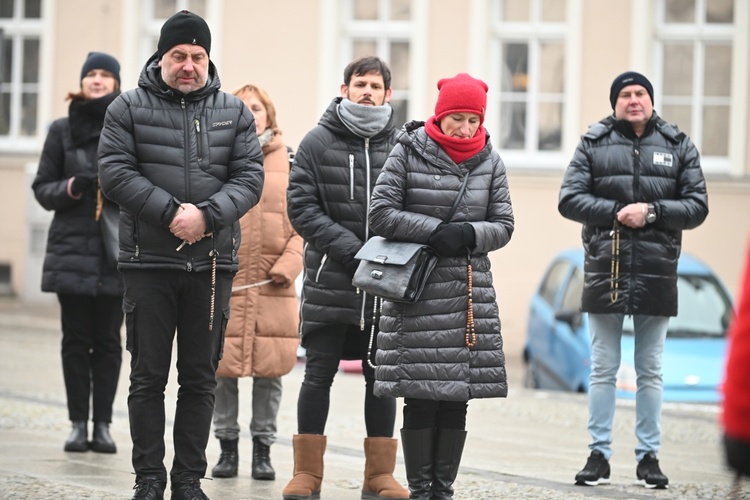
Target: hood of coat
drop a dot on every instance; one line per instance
(150, 80)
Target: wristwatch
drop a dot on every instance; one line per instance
(651, 217)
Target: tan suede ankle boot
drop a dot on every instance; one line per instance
(308, 467)
(380, 461)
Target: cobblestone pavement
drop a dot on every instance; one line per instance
(528, 446)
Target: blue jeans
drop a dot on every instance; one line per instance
(606, 334)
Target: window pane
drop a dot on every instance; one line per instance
(6, 9)
(164, 9)
(365, 10)
(715, 131)
(717, 70)
(198, 7)
(550, 126)
(679, 11)
(399, 65)
(720, 11)
(30, 60)
(399, 112)
(516, 63)
(516, 10)
(553, 11)
(28, 114)
(5, 113)
(678, 69)
(513, 125)
(400, 10)
(681, 115)
(32, 9)
(362, 48)
(7, 60)
(552, 67)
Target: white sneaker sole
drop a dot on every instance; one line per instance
(603, 480)
(649, 486)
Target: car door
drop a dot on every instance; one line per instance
(570, 343)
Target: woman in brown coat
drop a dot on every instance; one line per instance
(261, 337)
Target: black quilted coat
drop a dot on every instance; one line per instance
(329, 192)
(422, 351)
(611, 168)
(160, 148)
(75, 261)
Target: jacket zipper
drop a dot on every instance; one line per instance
(320, 268)
(368, 180)
(637, 190)
(351, 177)
(188, 252)
(198, 138)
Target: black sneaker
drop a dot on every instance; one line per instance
(649, 474)
(149, 488)
(596, 471)
(186, 487)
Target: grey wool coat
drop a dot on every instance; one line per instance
(422, 351)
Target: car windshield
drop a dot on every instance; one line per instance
(704, 310)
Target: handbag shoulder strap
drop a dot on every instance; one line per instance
(458, 198)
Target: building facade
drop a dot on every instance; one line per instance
(548, 63)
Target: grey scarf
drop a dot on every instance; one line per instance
(266, 136)
(365, 121)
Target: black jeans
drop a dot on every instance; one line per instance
(91, 354)
(324, 351)
(156, 303)
(429, 414)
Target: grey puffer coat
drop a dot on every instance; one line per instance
(328, 196)
(422, 351)
(160, 148)
(612, 168)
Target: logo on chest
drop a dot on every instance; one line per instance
(663, 159)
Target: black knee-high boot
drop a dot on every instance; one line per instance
(449, 446)
(418, 446)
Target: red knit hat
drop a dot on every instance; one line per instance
(461, 94)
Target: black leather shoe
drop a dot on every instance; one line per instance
(102, 441)
(79, 438)
(229, 459)
(149, 488)
(262, 468)
(186, 487)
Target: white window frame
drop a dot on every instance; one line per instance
(533, 33)
(18, 29)
(701, 34)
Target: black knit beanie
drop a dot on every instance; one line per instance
(629, 78)
(184, 27)
(100, 60)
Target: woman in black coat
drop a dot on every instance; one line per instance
(76, 266)
(446, 348)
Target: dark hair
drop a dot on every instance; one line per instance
(367, 64)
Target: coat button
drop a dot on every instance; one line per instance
(437, 210)
(437, 177)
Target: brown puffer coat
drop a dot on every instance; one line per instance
(262, 334)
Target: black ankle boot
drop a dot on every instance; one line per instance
(149, 488)
(262, 468)
(79, 438)
(102, 441)
(186, 487)
(229, 459)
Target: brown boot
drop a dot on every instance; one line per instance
(308, 467)
(380, 460)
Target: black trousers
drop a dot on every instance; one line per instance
(429, 414)
(324, 350)
(156, 303)
(91, 354)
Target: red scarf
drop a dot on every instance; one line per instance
(459, 150)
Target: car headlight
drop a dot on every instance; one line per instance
(626, 378)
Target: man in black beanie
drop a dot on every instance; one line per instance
(183, 161)
(634, 183)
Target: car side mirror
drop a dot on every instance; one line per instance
(572, 318)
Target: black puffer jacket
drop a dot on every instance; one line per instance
(75, 261)
(612, 168)
(160, 148)
(329, 193)
(422, 350)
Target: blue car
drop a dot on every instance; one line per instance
(557, 352)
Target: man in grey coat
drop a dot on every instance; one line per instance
(183, 161)
(635, 183)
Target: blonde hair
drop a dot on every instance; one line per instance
(265, 99)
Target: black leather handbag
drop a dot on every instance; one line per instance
(398, 270)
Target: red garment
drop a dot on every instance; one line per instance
(736, 410)
(461, 94)
(458, 149)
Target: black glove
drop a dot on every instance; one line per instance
(452, 240)
(82, 182)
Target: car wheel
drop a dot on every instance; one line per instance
(530, 380)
